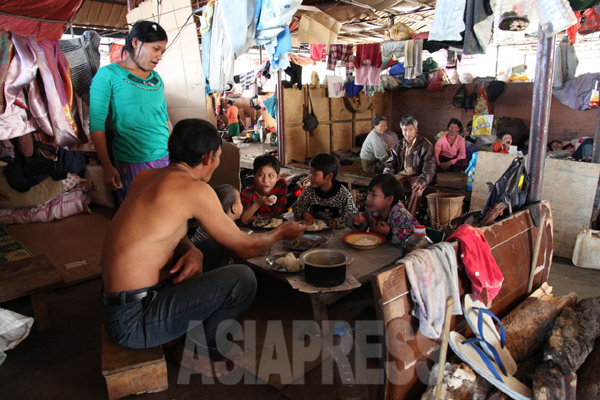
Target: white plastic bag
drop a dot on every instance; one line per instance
(14, 328)
(554, 15)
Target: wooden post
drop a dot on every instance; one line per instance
(280, 120)
(444, 347)
(536, 252)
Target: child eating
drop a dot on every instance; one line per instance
(385, 213)
(268, 196)
(326, 198)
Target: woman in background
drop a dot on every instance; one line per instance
(232, 116)
(133, 93)
(450, 149)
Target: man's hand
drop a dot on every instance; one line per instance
(445, 165)
(308, 218)
(417, 186)
(291, 229)
(358, 220)
(332, 224)
(112, 179)
(190, 265)
(382, 228)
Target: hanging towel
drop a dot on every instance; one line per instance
(221, 56)
(425, 283)
(414, 59)
(448, 269)
(448, 20)
(318, 52)
(476, 255)
(278, 49)
(394, 48)
(335, 86)
(341, 52)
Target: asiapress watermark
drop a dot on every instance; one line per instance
(288, 352)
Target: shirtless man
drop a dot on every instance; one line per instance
(155, 281)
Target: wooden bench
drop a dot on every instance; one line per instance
(30, 277)
(132, 371)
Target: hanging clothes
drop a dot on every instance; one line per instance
(245, 80)
(368, 55)
(21, 71)
(343, 53)
(279, 48)
(295, 73)
(335, 86)
(206, 21)
(221, 55)
(6, 50)
(478, 26)
(240, 35)
(393, 48)
(272, 17)
(352, 89)
(368, 64)
(565, 62)
(448, 20)
(318, 52)
(271, 106)
(414, 59)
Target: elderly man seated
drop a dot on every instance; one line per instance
(375, 150)
(413, 162)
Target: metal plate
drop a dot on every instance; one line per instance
(305, 242)
(272, 262)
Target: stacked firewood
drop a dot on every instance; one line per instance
(556, 343)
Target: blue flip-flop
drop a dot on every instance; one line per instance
(492, 370)
(482, 323)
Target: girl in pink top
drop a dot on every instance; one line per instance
(450, 149)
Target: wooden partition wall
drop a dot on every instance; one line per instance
(337, 128)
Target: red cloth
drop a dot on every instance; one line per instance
(115, 53)
(249, 195)
(318, 52)
(44, 9)
(370, 52)
(479, 263)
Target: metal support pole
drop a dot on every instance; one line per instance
(540, 114)
(280, 120)
(596, 147)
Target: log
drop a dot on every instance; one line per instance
(572, 340)
(588, 376)
(460, 383)
(529, 325)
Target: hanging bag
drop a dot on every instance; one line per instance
(511, 189)
(310, 121)
(471, 99)
(482, 105)
(591, 23)
(460, 97)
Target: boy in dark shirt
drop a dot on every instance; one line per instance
(326, 198)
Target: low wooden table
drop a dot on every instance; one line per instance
(365, 263)
(31, 276)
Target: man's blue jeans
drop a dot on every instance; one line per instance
(220, 294)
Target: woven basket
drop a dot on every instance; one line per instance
(443, 208)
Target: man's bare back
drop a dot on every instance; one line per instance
(140, 246)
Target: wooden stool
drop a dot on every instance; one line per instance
(132, 371)
(31, 276)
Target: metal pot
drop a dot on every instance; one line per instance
(325, 267)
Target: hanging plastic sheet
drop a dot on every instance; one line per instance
(221, 55)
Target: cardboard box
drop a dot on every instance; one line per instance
(485, 125)
(318, 27)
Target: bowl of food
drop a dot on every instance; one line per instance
(285, 262)
(325, 267)
(364, 240)
(238, 139)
